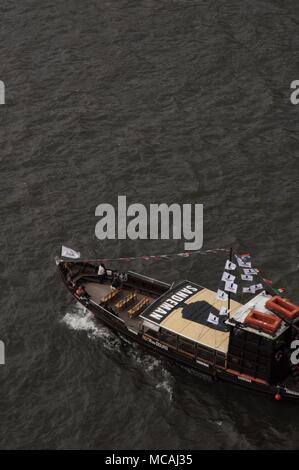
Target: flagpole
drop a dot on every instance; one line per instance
(228, 304)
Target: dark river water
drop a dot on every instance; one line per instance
(162, 101)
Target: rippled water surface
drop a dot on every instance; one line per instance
(161, 101)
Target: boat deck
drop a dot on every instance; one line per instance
(118, 304)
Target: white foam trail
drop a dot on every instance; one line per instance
(154, 368)
(80, 319)
(166, 383)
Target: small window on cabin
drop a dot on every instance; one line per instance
(205, 353)
(150, 332)
(220, 359)
(186, 345)
(220, 354)
(234, 360)
(169, 338)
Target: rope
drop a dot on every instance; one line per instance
(185, 254)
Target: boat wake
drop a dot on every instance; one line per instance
(154, 368)
(166, 383)
(80, 319)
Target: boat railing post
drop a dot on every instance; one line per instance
(228, 303)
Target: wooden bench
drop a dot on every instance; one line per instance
(136, 309)
(123, 303)
(110, 295)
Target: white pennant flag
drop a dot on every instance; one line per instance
(69, 253)
(258, 287)
(231, 287)
(246, 277)
(230, 266)
(227, 277)
(213, 319)
(223, 311)
(249, 290)
(250, 271)
(221, 295)
(253, 289)
(242, 263)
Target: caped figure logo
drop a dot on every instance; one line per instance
(152, 224)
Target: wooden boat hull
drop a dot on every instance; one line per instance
(119, 327)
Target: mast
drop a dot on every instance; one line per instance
(228, 303)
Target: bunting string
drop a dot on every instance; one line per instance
(242, 262)
(185, 254)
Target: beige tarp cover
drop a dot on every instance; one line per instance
(195, 331)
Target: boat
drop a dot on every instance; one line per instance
(246, 342)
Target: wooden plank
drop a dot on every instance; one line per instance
(137, 308)
(111, 295)
(123, 303)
